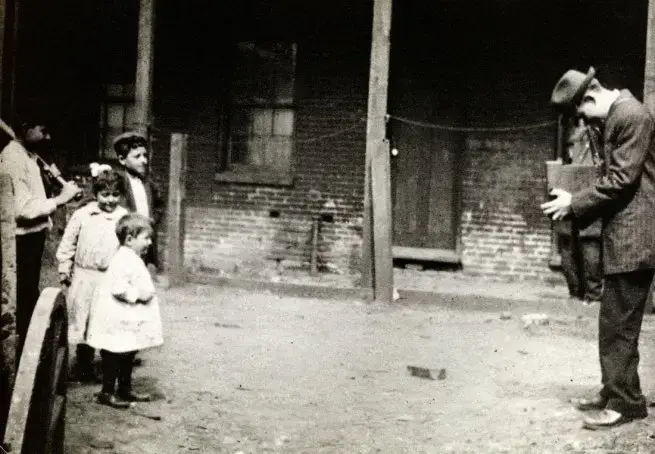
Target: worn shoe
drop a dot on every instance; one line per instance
(584, 404)
(135, 397)
(112, 401)
(606, 419)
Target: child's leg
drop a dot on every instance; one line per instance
(110, 372)
(84, 362)
(125, 380)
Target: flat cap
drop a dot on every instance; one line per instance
(129, 135)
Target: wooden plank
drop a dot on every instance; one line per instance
(378, 219)
(176, 195)
(8, 336)
(427, 254)
(649, 70)
(144, 67)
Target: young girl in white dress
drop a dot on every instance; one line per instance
(125, 314)
(88, 244)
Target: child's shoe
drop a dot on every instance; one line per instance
(130, 396)
(112, 401)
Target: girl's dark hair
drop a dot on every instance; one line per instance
(108, 180)
(132, 224)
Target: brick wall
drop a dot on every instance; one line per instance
(244, 227)
(241, 227)
(238, 227)
(503, 183)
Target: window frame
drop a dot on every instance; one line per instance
(230, 172)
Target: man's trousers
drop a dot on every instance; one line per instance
(619, 325)
(29, 253)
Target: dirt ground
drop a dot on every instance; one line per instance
(257, 371)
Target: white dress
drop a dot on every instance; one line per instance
(125, 313)
(86, 248)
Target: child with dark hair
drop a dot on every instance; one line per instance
(141, 193)
(87, 246)
(125, 315)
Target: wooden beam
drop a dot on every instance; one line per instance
(144, 67)
(649, 70)
(175, 214)
(377, 198)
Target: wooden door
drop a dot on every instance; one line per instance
(424, 177)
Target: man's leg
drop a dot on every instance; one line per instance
(619, 325)
(592, 268)
(29, 253)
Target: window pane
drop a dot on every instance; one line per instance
(283, 122)
(280, 152)
(257, 151)
(262, 122)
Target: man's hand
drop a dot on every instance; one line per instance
(68, 193)
(560, 207)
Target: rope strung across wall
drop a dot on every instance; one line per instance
(424, 124)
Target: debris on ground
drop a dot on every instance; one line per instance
(505, 315)
(101, 444)
(535, 320)
(430, 374)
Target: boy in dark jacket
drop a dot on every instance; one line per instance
(141, 193)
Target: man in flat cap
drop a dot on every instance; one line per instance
(624, 198)
(141, 193)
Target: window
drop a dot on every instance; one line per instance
(261, 118)
(116, 115)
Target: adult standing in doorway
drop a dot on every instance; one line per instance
(33, 210)
(624, 197)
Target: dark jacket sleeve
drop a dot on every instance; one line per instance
(158, 203)
(630, 137)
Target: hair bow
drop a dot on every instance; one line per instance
(97, 169)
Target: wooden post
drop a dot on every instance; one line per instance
(649, 70)
(144, 67)
(8, 336)
(176, 195)
(378, 266)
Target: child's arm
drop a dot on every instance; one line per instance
(128, 287)
(68, 245)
